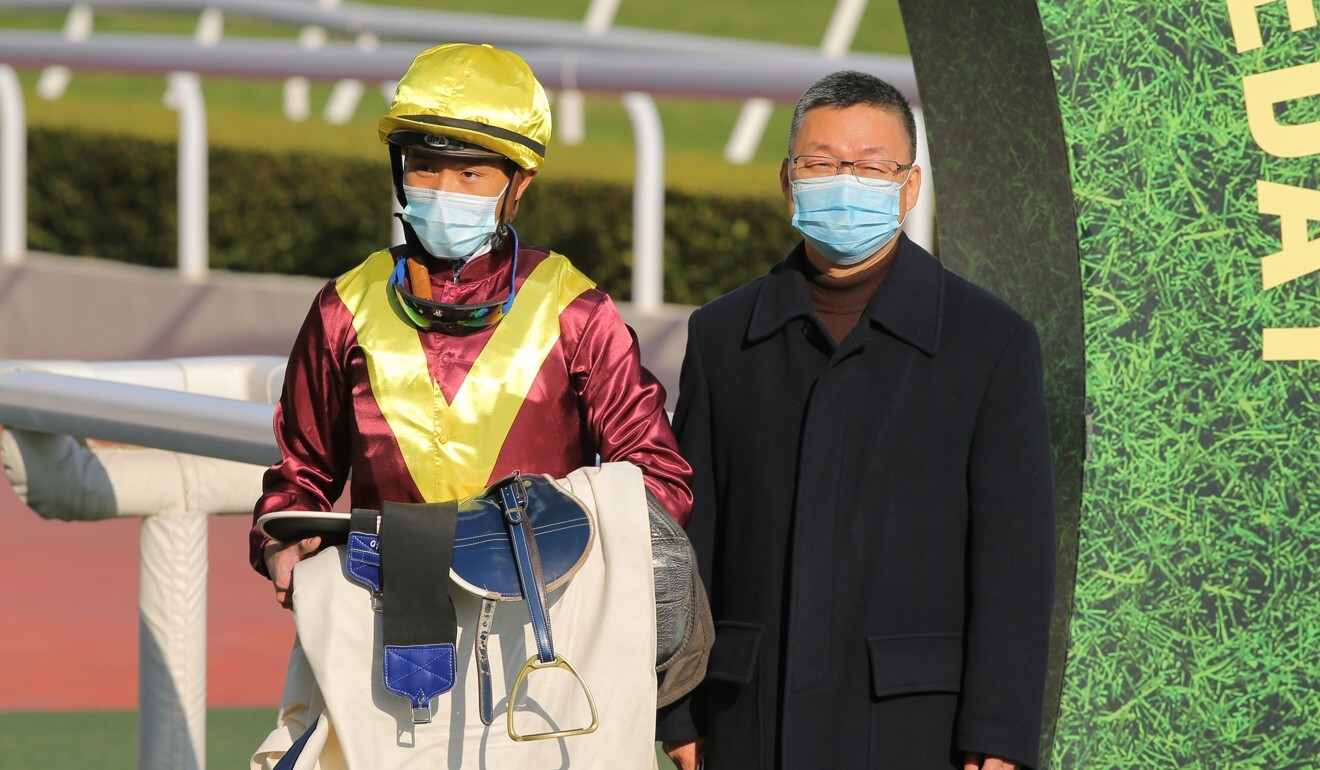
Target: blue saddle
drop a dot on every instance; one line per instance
(483, 561)
(515, 541)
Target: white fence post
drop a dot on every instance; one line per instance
(172, 642)
(77, 27)
(570, 123)
(298, 90)
(210, 27)
(13, 169)
(648, 203)
(751, 123)
(346, 94)
(184, 94)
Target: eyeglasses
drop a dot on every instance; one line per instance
(821, 168)
(457, 320)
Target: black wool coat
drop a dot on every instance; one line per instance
(875, 524)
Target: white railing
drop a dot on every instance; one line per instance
(208, 422)
(565, 55)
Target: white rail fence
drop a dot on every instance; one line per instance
(207, 425)
(629, 63)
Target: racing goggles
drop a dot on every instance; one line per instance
(457, 320)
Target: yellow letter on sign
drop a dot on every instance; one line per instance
(1267, 89)
(1246, 27)
(1295, 207)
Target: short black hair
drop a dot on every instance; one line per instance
(848, 88)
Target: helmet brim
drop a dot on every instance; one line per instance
(527, 153)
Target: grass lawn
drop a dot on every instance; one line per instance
(248, 113)
(107, 740)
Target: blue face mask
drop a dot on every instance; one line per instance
(450, 225)
(845, 220)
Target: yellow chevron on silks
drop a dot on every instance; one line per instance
(451, 449)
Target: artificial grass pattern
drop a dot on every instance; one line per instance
(1195, 627)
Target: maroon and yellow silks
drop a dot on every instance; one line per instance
(449, 448)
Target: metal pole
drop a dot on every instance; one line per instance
(570, 123)
(648, 202)
(172, 642)
(297, 90)
(346, 94)
(920, 222)
(751, 123)
(184, 94)
(13, 169)
(843, 28)
(53, 80)
(210, 27)
(748, 130)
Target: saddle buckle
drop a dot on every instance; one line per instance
(421, 715)
(513, 496)
(377, 601)
(534, 663)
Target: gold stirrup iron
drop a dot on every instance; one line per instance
(534, 664)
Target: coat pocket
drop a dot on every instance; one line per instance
(914, 663)
(734, 655)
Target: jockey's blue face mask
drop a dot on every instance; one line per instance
(451, 225)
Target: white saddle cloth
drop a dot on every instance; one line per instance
(603, 623)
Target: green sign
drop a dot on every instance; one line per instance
(1143, 181)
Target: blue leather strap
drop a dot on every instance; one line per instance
(295, 751)
(419, 673)
(513, 503)
(364, 559)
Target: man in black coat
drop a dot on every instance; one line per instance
(874, 514)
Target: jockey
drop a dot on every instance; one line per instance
(439, 365)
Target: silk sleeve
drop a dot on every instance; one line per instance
(624, 408)
(310, 422)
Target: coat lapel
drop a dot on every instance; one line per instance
(909, 304)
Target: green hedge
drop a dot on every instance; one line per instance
(114, 197)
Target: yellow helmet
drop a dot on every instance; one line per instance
(471, 95)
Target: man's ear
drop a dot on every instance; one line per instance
(522, 179)
(913, 189)
(786, 185)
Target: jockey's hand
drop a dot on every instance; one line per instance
(972, 761)
(280, 561)
(686, 755)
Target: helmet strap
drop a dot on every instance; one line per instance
(396, 170)
(410, 237)
(508, 207)
(497, 240)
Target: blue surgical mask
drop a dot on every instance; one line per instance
(450, 225)
(845, 220)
